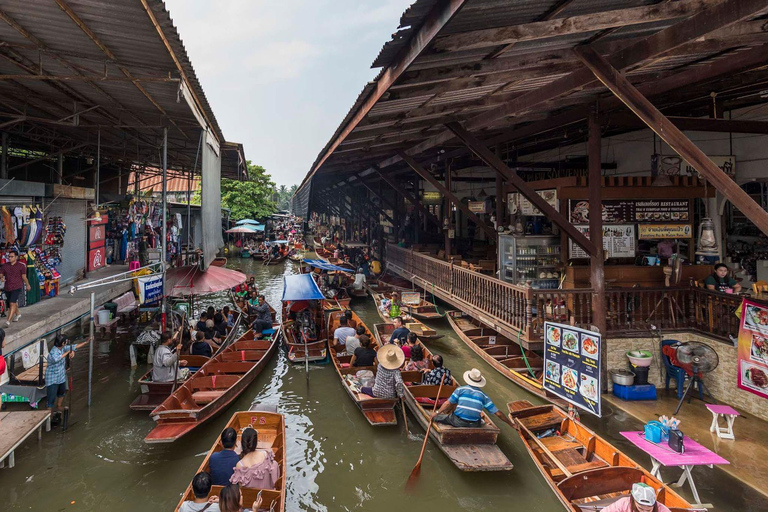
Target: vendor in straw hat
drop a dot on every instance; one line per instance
(389, 383)
(465, 405)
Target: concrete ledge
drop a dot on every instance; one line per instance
(49, 314)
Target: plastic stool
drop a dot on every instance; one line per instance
(729, 413)
(134, 265)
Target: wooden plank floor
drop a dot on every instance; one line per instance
(15, 427)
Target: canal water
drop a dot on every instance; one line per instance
(336, 461)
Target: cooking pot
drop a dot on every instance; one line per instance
(622, 377)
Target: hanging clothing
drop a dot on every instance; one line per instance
(33, 294)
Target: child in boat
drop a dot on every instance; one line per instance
(257, 468)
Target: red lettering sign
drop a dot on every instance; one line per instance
(97, 233)
(97, 258)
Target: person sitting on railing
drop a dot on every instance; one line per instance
(720, 280)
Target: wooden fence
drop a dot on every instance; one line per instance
(517, 310)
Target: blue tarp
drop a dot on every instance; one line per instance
(300, 287)
(324, 265)
(276, 242)
(246, 221)
(259, 227)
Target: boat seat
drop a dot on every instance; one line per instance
(542, 422)
(206, 397)
(557, 443)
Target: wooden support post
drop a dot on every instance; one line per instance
(597, 272)
(479, 149)
(418, 169)
(407, 195)
(448, 213)
(664, 128)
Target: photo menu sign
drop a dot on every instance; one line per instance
(753, 348)
(572, 365)
(618, 240)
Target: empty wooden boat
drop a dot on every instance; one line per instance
(469, 448)
(424, 310)
(154, 393)
(271, 429)
(303, 324)
(379, 412)
(583, 469)
(213, 387)
(503, 354)
(269, 260)
(396, 282)
(384, 331)
(220, 262)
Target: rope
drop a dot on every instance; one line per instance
(434, 303)
(525, 358)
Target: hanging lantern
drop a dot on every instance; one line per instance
(707, 244)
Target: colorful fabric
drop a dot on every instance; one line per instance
(470, 402)
(434, 377)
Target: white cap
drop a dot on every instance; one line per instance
(644, 494)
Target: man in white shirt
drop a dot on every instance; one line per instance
(164, 364)
(341, 334)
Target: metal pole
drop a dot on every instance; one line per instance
(90, 348)
(98, 164)
(165, 220)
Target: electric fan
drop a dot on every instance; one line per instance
(696, 358)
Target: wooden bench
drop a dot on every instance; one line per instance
(206, 397)
(127, 306)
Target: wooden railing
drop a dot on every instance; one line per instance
(519, 310)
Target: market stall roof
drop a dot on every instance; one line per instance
(245, 229)
(73, 71)
(324, 265)
(190, 280)
(513, 79)
(300, 287)
(247, 221)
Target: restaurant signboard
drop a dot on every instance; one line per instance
(654, 231)
(623, 211)
(476, 206)
(519, 204)
(752, 352)
(572, 365)
(618, 240)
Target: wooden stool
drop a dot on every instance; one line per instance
(730, 415)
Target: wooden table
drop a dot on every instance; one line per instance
(16, 427)
(662, 455)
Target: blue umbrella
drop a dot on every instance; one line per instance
(246, 221)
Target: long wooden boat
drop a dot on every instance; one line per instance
(380, 412)
(154, 393)
(358, 294)
(424, 310)
(271, 429)
(316, 241)
(316, 348)
(396, 282)
(582, 468)
(273, 261)
(503, 354)
(219, 262)
(469, 448)
(383, 332)
(220, 381)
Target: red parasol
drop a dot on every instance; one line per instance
(190, 280)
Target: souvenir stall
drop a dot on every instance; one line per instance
(134, 231)
(39, 239)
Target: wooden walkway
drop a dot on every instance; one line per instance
(16, 427)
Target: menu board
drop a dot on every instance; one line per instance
(752, 352)
(618, 240)
(624, 211)
(518, 203)
(572, 365)
(655, 231)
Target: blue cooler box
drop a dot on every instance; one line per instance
(639, 392)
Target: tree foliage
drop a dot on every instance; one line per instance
(251, 199)
(284, 195)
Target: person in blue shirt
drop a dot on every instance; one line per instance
(56, 373)
(400, 334)
(221, 465)
(465, 405)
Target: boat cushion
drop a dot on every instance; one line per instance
(268, 331)
(344, 365)
(206, 397)
(429, 401)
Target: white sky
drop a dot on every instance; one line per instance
(280, 75)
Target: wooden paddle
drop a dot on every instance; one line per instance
(414, 478)
(405, 416)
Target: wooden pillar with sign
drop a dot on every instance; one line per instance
(597, 271)
(97, 236)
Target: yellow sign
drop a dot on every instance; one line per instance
(665, 231)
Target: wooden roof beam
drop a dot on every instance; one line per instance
(573, 25)
(664, 128)
(418, 169)
(432, 25)
(407, 195)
